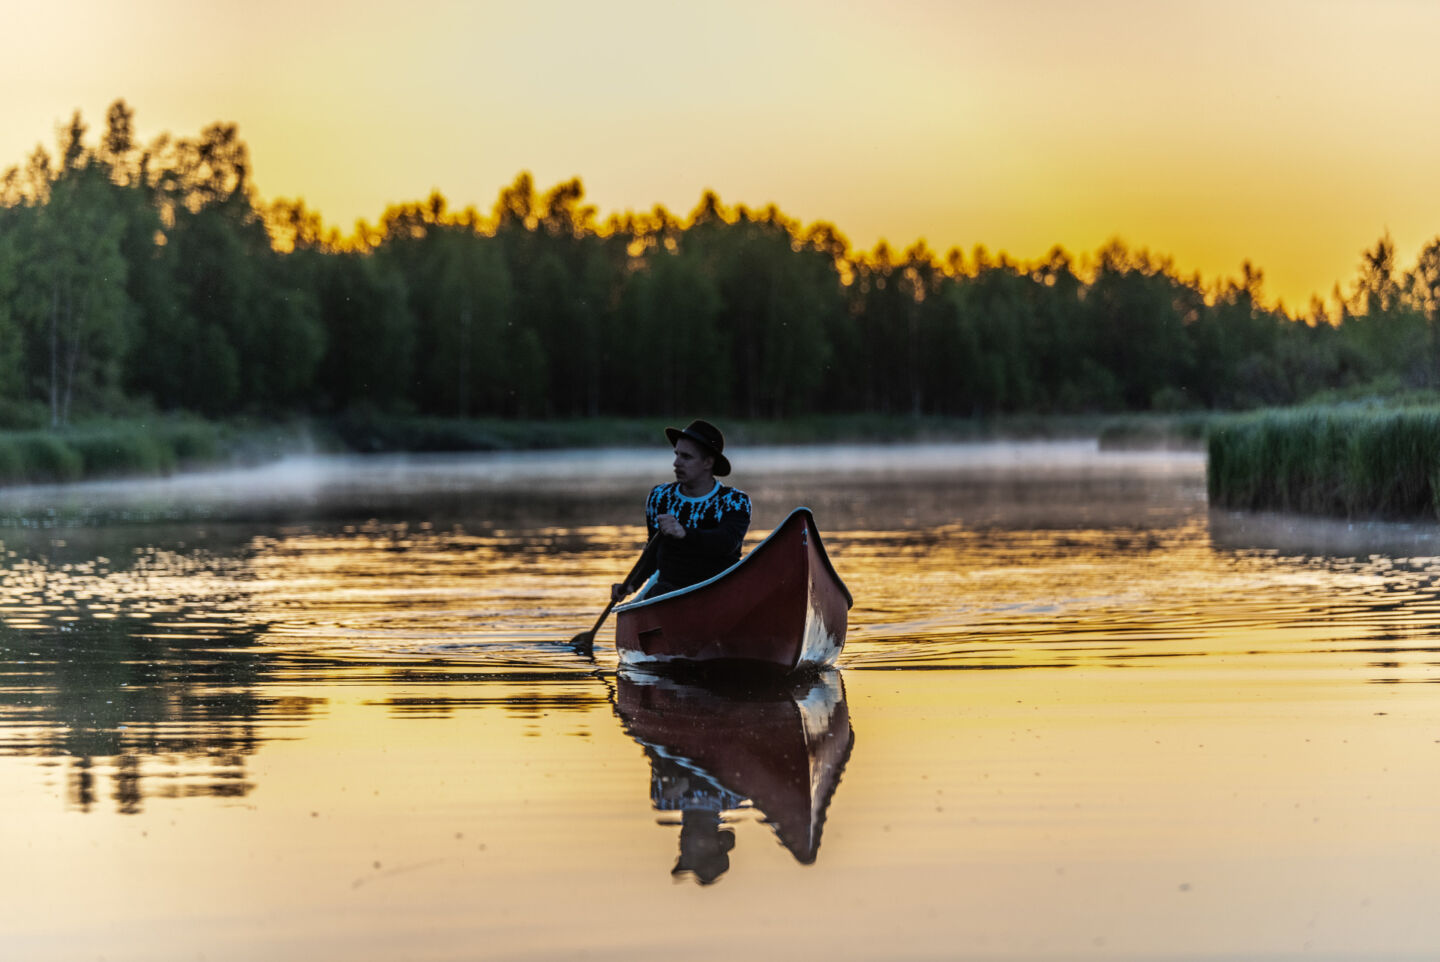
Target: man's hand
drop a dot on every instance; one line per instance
(619, 591)
(670, 526)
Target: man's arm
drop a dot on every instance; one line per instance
(649, 560)
(724, 539)
(644, 568)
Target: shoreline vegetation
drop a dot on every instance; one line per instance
(1362, 462)
(156, 314)
(162, 446)
(153, 277)
(155, 447)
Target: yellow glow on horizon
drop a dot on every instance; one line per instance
(1288, 133)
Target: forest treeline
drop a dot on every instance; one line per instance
(151, 276)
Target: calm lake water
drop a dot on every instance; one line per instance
(320, 710)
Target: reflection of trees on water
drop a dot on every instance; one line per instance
(779, 747)
(169, 720)
(143, 657)
(130, 662)
(525, 695)
(179, 717)
(1372, 587)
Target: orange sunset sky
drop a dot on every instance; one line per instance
(1292, 133)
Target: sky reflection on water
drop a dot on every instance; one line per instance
(335, 691)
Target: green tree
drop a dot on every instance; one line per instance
(1387, 330)
(882, 314)
(369, 332)
(257, 339)
(11, 343)
(1140, 312)
(673, 357)
(1065, 369)
(476, 352)
(1422, 295)
(69, 284)
(482, 363)
(992, 308)
(151, 368)
(565, 284)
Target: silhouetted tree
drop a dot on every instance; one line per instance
(149, 271)
(67, 279)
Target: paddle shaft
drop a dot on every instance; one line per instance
(589, 636)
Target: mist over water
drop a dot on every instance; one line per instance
(341, 678)
(485, 555)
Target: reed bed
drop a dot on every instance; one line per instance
(1351, 462)
(110, 449)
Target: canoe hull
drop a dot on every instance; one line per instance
(782, 608)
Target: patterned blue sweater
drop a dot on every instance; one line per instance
(715, 525)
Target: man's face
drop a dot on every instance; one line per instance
(692, 464)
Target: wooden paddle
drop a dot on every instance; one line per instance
(585, 640)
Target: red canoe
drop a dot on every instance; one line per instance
(781, 607)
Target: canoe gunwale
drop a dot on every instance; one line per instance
(699, 586)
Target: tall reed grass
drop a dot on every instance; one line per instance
(1344, 461)
(109, 449)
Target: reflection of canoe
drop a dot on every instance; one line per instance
(782, 606)
(782, 746)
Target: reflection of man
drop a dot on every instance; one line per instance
(705, 843)
(704, 846)
(700, 522)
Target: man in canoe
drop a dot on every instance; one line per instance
(700, 523)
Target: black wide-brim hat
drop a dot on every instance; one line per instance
(708, 436)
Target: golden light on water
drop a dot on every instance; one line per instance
(1089, 717)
